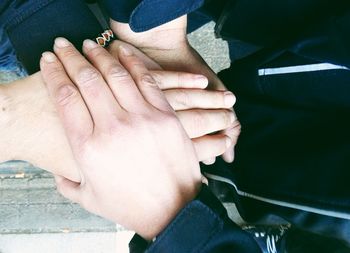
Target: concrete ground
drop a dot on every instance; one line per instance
(35, 218)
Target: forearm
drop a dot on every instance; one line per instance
(30, 129)
(167, 44)
(168, 36)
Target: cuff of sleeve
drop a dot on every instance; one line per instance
(36, 27)
(191, 229)
(120, 11)
(151, 13)
(143, 15)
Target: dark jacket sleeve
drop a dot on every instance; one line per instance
(143, 15)
(33, 25)
(202, 226)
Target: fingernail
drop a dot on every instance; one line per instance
(89, 44)
(201, 80)
(125, 50)
(61, 42)
(229, 99)
(49, 57)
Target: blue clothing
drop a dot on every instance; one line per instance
(202, 226)
(32, 26)
(8, 60)
(144, 15)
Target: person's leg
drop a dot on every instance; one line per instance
(10, 68)
(33, 26)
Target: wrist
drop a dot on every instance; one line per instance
(168, 36)
(32, 131)
(166, 211)
(18, 106)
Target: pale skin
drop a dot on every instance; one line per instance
(106, 128)
(168, 46)
(31, 131)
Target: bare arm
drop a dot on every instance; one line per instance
(30, 129)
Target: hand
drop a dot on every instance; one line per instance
(168, 45)
(201, 112)
(31, 131)
(137, 164)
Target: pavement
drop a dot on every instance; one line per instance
(35, 218)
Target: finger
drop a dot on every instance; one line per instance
(97, 95)
(68, 189)
(205, 180)
(150, 64)
(183, 99)
(145, 82)
(199, 122)
(174, 80)
(69, 104)
(118, 79)
(209, 161)
(229, 155)
(233, 132)
(210, 146)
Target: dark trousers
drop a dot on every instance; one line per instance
(292, 159)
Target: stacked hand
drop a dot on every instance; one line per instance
(205, 114)
(168, 46)
(137, 165)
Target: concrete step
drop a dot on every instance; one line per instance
(30, 204)
(38, 219)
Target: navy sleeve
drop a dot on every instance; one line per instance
(143, 15)
(120, 10)
(33, 25)
(202, 226)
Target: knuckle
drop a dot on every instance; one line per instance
(172, 123)
(156, 75)
(116, 71)
(117, 122)
(87, 75)
(66, 94)
(182, 98)
(199, 119)
(68, 52)
(96, 52)
(148, 80)
(55, 74)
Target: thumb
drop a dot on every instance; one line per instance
(68, 189)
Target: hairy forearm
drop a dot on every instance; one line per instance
(30, 129)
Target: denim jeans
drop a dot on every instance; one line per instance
(8, 61)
